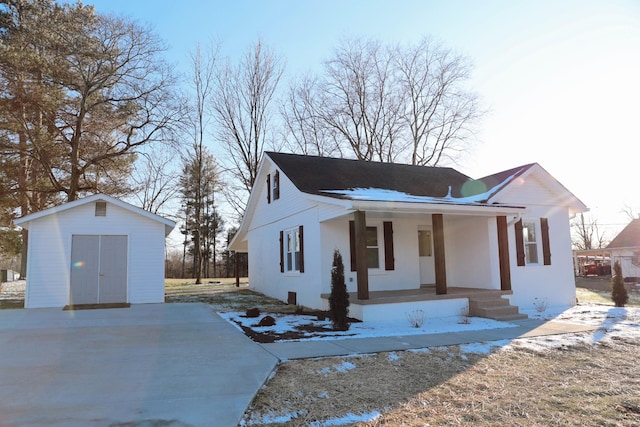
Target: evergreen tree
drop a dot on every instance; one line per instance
(619, 293)
(339, 299)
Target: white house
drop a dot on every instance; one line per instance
(96, 250)
(412, 237)
(625, 249)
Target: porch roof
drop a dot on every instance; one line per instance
(391, 208)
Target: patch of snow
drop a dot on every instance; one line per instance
(385, 195)
(348, 419)
(272, 418)
(483, 347)
(285, 323)
(393, 356)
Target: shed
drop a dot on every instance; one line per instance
(96, 250)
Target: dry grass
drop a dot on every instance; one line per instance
(222, 295)
(589, 385)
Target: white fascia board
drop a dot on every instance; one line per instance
(444, 208)
(410, 208)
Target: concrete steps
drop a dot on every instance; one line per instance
(494, 307)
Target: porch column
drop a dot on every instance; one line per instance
(503, 254)
(362, 271)
(438, 253)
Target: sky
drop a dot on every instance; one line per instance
(560, 78)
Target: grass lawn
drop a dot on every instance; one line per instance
(599, 296)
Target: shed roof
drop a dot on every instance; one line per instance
(629, 237)
(25, 220)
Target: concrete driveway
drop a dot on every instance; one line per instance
(148, 365)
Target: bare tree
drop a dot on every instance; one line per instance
(439, 112)
(200, 175)
(359, 103)
(630, 212)
(587, 234)
(303, 132)
(385, 103)
(155, 179)
(242, 112)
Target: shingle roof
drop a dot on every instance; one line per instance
(629, 237)
(312, 175)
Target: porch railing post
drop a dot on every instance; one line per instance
(503, 254)
(362, 271)
(438, 254)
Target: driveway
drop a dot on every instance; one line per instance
(148, 365)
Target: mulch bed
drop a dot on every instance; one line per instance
(305, 331)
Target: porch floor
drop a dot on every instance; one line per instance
(424, 293)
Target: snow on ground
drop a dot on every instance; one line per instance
(612, 322)
(285, 323)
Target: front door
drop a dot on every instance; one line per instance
(98, 269)
(425, 255)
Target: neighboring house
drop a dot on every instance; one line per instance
(412, 237)
(95, 250)
(625, 248)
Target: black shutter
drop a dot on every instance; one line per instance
(301, 249)
(519, 243)
(268, 188)
(546, 247)
(352, 244)
(389, 262)
(281, 251)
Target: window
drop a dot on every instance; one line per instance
(276, 185)
(291, 250)
(530, 240)
(373, 246)
(530, 236)
(101, 209)
(373, 260)
(424, 243)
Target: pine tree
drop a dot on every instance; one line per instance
(339, 299)
(619, 293)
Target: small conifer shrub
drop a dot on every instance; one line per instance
(619, 293)
(339, 298)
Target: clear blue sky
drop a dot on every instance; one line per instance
(561, 78)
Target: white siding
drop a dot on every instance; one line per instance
(554, 283)
(471, 252)
(50, 253)
(628, 260)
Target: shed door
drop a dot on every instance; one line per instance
(98, 269)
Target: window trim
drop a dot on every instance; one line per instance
(288, 258)
(542, 241)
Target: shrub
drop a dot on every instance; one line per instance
(267, 321)
(253, 312)
(415, 318)
(619, 293)
(339, 298)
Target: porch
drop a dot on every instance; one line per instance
(397, 304)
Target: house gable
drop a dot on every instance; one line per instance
(531, 185)
(629, 237)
